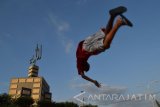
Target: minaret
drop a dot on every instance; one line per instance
(33, 69)
(32, 86)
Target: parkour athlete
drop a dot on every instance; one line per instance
(100, 41)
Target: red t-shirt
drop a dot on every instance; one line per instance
(82, 56)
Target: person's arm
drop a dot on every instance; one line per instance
(90, 79)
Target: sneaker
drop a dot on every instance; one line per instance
(126, 21)
(117, 11)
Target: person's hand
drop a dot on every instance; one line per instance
(97, 84)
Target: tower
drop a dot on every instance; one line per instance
(33, 85)
(33, 69)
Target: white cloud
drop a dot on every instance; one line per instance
(91, 91)
(61, 27)
(104, 89)
(69, 45)
(134, 104)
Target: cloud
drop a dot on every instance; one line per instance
(105, 89)
(92, 92)
(68, 47)
(134, 104)
(61, 27)
(95, 95)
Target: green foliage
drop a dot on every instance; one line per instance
(5, 99)
(66, 104)
(24, 101)
(158, 104)
(90, 105)
(44, 103)
(9, 105)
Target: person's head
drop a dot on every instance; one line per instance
(82, 66)
(86, 66)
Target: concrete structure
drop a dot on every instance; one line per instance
(33, 71)
(33, 86)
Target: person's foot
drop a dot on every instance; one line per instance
(97, 84)
(117, 11)
(126, 21)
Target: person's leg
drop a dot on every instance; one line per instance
(110, 24)
(109, 37)
(113, 13)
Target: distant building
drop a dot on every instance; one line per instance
(33, 86)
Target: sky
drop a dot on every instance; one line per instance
(132, 61)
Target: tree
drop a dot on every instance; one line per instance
(66, 104)
(44, 103)
(24, 101)
(5, 99)
(90, 105)
(158, 104)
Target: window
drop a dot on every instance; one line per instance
(26, 91)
